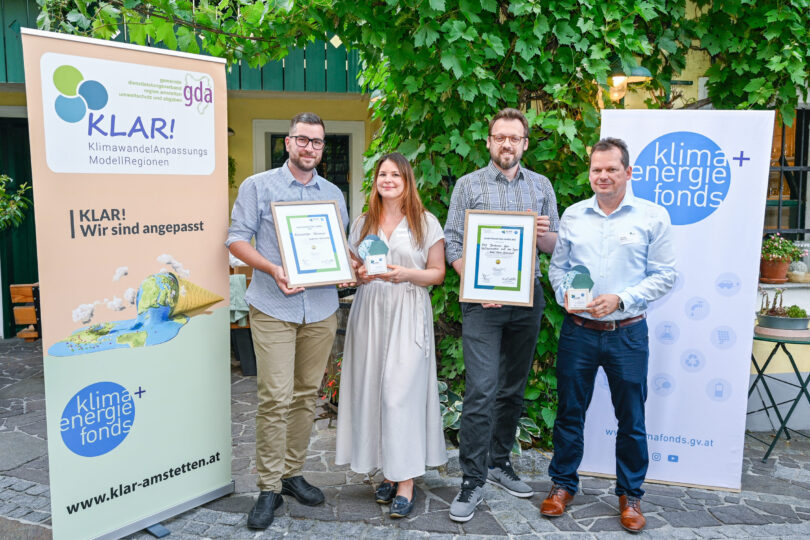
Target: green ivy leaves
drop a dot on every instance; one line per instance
(760, 51)
(13, 202)
(444, 67)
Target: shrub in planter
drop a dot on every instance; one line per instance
(775, 315)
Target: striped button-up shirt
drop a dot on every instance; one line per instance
(489, 189)
(252, 217)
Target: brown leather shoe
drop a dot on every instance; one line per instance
(554, 505)
(632, 519)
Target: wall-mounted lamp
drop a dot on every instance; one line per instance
(619, 79)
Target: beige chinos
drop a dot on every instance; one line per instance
(290, 361)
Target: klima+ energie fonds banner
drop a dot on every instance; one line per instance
(709, 169)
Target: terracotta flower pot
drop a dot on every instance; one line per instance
(773, 271)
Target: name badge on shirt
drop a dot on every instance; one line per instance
(629, 237)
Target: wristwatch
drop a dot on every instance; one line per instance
(621, 304)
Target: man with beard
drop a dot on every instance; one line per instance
(293, 328)
(498, 341)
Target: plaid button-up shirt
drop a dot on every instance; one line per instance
(488, 189)
(252, 217)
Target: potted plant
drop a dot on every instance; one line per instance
(775, 315)
(777, 254)
(797, 272)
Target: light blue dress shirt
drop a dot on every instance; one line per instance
(628, 253)
(252, 217)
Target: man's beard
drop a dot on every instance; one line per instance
(298, 163)
(506, 162)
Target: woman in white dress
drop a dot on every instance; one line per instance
(388, 413)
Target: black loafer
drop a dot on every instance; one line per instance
(263, 512)
(303, 491)
(401, 506)
(386, 492)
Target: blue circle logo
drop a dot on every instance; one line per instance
(727, 284)
(692, 360)
(77, 94)
(687, 173)
(723, 337)
(667, 332)
(663, 384)
(718, 390)
(97, 419)
(697, 308)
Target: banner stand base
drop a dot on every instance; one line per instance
(158, 530)
(148, 522)
(663, 482)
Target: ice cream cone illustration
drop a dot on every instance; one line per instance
(165, 303)
(193, 299)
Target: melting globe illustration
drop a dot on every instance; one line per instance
(165, 303)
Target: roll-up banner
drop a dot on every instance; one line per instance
(709, 169)
(129, 162)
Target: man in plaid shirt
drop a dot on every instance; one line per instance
(499, 341)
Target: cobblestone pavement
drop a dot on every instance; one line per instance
(774, 502)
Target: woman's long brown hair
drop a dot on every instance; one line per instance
(410, 203)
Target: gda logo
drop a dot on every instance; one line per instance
(78, 95)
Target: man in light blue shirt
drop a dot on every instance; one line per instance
(293, 328)
(626, 245)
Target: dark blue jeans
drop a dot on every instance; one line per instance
(623, 354)
(499, 345)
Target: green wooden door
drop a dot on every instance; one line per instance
(18, 247)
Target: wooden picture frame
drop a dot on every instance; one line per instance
(499, 251)
(312, 242)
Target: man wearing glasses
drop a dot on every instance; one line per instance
(293, 328)
(498, 341)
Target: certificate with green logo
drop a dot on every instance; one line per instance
(499, 251)
(312, 243)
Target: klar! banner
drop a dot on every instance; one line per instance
(129, 163)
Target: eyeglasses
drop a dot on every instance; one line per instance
(302, 141)
(500, 139)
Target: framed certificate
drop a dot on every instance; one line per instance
(312, 242)
(499, 250)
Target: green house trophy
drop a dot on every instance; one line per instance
(374, 253)
(578, 292)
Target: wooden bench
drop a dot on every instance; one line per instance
(27, 314)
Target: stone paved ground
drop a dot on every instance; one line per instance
(774, 503)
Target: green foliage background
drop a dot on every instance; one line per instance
(13, 202)
(442, 68)
(760, 52)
